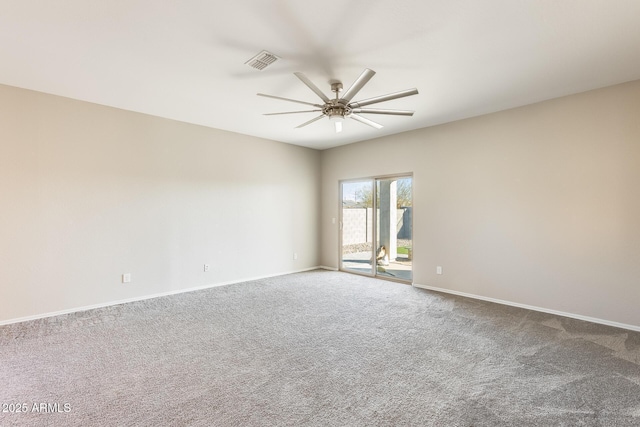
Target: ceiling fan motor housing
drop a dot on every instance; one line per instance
(336, 110)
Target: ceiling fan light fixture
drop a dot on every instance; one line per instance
(338, 126)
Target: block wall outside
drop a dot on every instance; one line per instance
(357, 225)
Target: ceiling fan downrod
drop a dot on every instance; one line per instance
(336, 108)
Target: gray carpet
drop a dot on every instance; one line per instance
(318, 349)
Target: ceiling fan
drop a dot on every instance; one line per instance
(341, 108)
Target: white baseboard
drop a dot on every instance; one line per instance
(145, 297)
(324, 267)
(531, 307)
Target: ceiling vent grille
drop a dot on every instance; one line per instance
(262, 60)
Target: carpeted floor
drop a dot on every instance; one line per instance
(318, 349)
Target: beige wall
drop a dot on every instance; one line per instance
(538, 205)
(89, 192)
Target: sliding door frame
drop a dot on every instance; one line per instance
(374, 232)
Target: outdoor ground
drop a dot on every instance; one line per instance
(358, 258)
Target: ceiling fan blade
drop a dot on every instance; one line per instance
(310, 121)
(381, 111)
(365, 121)
(384, 98)
(291, 112)
(358, 84)
(290, 100)
(311, 86)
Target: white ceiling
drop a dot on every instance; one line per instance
(184, 60)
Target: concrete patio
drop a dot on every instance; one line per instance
(360, 262)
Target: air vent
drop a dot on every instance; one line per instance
(262, 60)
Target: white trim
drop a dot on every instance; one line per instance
(531, 307)
(324, 267)
(145, 297)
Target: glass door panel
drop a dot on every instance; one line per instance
(357, 227)
(394, 228)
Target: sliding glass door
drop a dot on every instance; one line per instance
(356, 226)
(376, 233)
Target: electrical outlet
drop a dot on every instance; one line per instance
(126, 278)
(439, 269)
(207, 267)
(295, 256)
